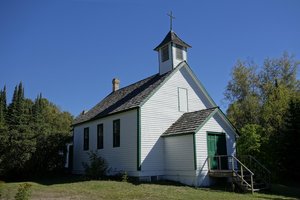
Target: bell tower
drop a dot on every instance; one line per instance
(171, 51)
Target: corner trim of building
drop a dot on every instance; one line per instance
(138, 141)
(195, 151)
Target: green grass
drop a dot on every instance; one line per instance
(74, 188)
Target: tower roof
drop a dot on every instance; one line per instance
(172, 37)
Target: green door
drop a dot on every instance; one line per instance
(216, 145)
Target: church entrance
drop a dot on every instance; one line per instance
(216, 148)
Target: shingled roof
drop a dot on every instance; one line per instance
(189, 122)
(123, 99)
(172, 37)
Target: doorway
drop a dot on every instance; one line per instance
(216, 148)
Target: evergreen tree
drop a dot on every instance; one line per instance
(3, 107)
(18, 141)
(289, 139)
(3, 127)
(12, 117)
(35, 134)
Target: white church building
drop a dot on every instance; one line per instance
(162, 127)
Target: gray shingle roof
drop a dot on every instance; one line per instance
(189, 122)
(172, 37)
(123, 99)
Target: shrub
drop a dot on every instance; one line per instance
(250, 140)
(125, 177)
(97, 167)
(24, 192)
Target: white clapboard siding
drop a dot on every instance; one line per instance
(160, 112)
(123, 158)
(214, 124)
(179, 159)
(179, 153)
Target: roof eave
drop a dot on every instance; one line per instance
(225, 118)
(172, 37)
(206, 120)
(107, 115)
(177, 134)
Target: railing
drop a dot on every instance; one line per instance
(231, 163)
(260, 170)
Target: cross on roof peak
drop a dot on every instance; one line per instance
(171, 19)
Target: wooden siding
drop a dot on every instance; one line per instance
(179, 159)
(123, 158)
(179, 153)
(159, 112)
(214, 124)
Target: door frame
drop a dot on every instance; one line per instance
(224, 160)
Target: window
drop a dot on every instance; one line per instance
(165, 53)
(86, 139)
(179, 52)
(100, 136)
(182, 99)
(116, 133)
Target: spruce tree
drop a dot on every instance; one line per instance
(35, 133)
(18, 142)
(290, 141)
(3, 128)
(3, 107)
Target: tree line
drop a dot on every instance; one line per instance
(33, 135)
(264, 105)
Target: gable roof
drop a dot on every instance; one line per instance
(135, 95)
(190, 122)
(172, 37)
(123, 99)
(201, 86)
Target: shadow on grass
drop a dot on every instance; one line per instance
(283, 190)
(65, 179)
(287, 192)
(51, 179)
(221, 187)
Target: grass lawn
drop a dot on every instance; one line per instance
(74, 188)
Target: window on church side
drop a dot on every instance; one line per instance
(100, 136)
(165, 53)
(86, 139)
(116, 133)
(179, 52)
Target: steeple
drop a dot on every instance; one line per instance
(172, 50)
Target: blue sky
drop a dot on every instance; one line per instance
(69, 50)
